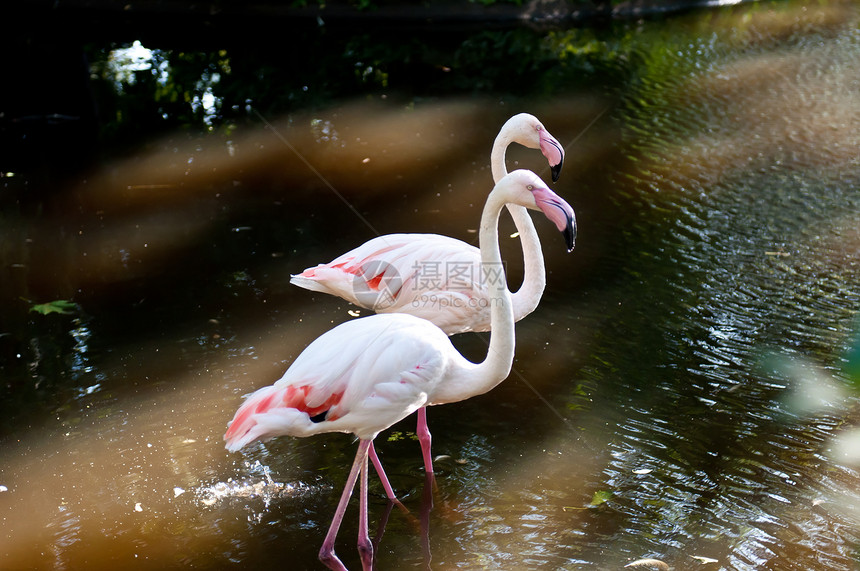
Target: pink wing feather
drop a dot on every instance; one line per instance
(427, 275)
(361, 377)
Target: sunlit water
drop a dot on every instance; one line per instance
(677, 396)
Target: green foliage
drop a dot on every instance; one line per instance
(215, 90)
(599, 498)
(60, 306)
(397, 435)
(145, 92)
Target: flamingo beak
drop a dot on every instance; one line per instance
(556, 171)
(559, 213)
(569, 233)
(554, 153)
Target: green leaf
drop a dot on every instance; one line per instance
(61, 306)
(600, 497)
(397, 436)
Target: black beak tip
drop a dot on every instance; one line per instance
(555, 170)
(570, 234)
(570, 237)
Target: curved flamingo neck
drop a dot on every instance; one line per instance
(497, 155)
(527, 297)
(466, 379)
(500, 355)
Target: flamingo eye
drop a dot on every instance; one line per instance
(530, 187)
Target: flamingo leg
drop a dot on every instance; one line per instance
(365, 546)
(424, 439)
(389, 492)
(426, 506)
(327, 555)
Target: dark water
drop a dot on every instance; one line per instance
(679, 394)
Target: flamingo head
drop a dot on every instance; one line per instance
(526, 130)
(554, 207)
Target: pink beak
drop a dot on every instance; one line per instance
(554, 153)
(559, 213)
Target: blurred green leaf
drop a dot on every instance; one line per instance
(61, 306)
(396, 436)
(600, 497)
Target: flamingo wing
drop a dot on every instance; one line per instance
(360, 377)
(341, 276)
(427, 275)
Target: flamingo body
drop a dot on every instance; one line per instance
(437, 277)
(360, 377)
(427, 275)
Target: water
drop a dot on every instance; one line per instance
(679, 394)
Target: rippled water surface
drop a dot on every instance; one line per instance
(679, 395)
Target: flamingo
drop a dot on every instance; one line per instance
(406, 273)
(437, 277)
(367, 374)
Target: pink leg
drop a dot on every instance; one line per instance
(389, 492)
(426, 506)
(365, 547)
(424, 439)
(327, 556)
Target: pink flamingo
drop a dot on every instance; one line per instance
(385, 273)
(367, 374)
(397, 273)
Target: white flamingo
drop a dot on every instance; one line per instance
(438, 277)
(367, 374)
